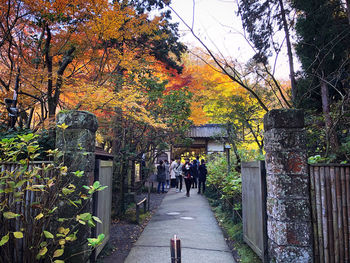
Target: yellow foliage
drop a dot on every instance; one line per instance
(220, 100)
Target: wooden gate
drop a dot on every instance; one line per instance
(254, 207)
(102, 201)
(330, 199)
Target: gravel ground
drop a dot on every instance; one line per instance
(124, 234)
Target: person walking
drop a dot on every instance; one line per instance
(167, 173)
(194, 171)
(202, 176)
(187, 173)
(198, 162)
(178, 175)
(172, 167)
(161, 176)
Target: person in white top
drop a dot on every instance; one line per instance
(178, 175)
(173, 165)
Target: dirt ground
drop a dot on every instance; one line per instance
(124, 234)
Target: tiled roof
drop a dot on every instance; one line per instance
(207, 131)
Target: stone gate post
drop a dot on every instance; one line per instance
(288, 205)
(77, 142)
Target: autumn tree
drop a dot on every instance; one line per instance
(237, 72)
(139, 140)
(101, 57)
(163, 49)
(28, 49)
(229, 104)
(60, 48)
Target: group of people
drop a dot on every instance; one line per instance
(194, 173)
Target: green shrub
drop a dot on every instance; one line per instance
(227, 186)
(45, 140)
(30, 197)
(250, 155)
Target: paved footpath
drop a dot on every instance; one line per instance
(193, 222)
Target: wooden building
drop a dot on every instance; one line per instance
(205, 140)
(210, 137)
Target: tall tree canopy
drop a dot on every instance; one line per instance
(323, 48)
(263, 20)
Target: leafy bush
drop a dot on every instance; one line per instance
(317, 159)
(229, 186)
(250, 155)
(318, 143)
(45, 139)
(224, 195)
(30, 198)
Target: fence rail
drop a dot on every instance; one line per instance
(30, 196)
(330, 200)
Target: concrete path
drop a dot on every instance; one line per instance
(193, 222)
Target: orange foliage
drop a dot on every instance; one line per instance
(100, 33)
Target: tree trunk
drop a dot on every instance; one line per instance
(48, 59)
(53, 95)
(30, 117)
(123, 185)
(259, 143)
(290, 54)
(120, 164)
(332, 140)
(231, 139)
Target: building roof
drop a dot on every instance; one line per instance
(207, 131)
(102, 154)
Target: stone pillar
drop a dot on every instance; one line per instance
(77, 142)
(288, 205)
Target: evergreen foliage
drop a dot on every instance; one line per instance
(323, 50)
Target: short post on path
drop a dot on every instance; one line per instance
(175, 250)
(144, 202)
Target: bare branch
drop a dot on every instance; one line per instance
(232, 77)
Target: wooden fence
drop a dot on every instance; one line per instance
(102, 203)
(330, 199)
(30, 196)
(22, 207)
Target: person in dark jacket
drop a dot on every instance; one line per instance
(202, 176)
(194, 171)
(161, 177)
(167, 173)
(198, 162)
(187, 174)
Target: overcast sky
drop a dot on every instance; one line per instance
(218, 25)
